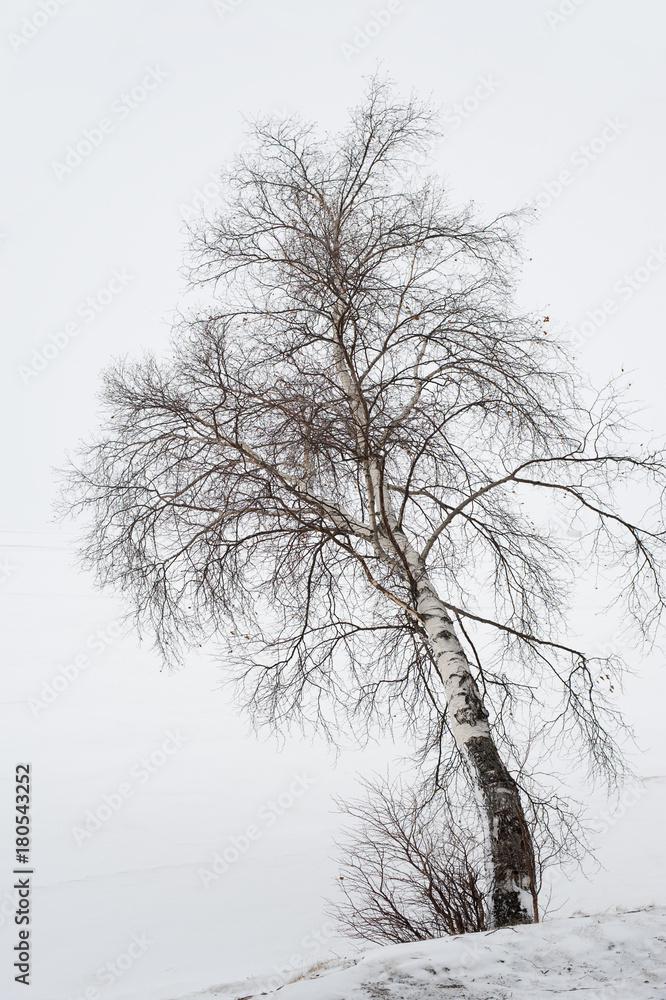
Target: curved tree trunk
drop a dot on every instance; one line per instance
(510, 845)
(510, 850)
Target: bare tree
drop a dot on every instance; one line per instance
(334, 468)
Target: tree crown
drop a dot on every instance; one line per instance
(361, 404)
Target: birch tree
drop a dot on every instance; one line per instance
(332, 472)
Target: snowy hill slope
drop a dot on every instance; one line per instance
(617, 956)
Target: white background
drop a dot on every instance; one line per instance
(556, 80)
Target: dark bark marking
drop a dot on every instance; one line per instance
(511, 846)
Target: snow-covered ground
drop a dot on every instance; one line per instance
(619, 956)
(142, 909)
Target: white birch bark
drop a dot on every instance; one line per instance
(510, 850)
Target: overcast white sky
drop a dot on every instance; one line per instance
(562, 101)
(555, 80)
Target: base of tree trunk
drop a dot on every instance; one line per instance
(511, 851)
